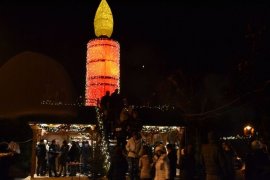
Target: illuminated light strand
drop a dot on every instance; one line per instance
(237, 137)
(59, 103)
(159, 107)
(104, 44)
(158, 129)
(104, 143)
(101, 84)
(103, 77)
(100, 60)
(65, 127)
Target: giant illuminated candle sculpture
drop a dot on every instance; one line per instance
(103, 53)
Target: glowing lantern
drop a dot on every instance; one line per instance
(103, 54)
(248, 130)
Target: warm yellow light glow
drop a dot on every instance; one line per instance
(103, 22)
(248, 130)
(102, 69)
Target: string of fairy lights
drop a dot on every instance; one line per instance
(163, 108)
(64, 127)
(104, 142)
(60, 103)
(158, 129)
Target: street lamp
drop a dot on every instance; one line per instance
(248, 131)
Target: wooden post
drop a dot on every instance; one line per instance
(35, 130)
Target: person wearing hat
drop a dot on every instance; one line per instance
(162, 167)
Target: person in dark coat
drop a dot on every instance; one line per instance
(187, 164)
(74, 152)
(213, 160)
(52, 158)
(74, 157)
(119, 166)
(86, 154)
(230, 156)
(257, 163)
(116, 104)
(63, 158)
(105, 101)
(41, 158)
(172, 160)
(6, 157)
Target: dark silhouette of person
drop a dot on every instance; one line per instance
(116, 103)
(213, 160)
(52, 154)
(257, 163)
(172, 156)
(74, 156)
(63, 158)
(41, 158)
(6, 157)
(86, 154)
(230, 156)
(188, 163)
(105, 101)
(119, 166)
(106, 110)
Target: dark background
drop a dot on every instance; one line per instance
(161, 35)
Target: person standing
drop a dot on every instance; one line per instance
(230, 156)
(187, 163)
(116, 104)
(172, 156)
(105, 101)
(119, 165)
(162, 166)
(257, 163)
(63, 158)
(213, 160)
(41, 158)
(74, 157)
(145, 164)
(86, 154)
(52, 158)
(134, 147)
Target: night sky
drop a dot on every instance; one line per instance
(160, 35)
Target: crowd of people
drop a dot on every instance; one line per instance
(141, 163)
(159, 162)
(120, 118)
(55, 160)
(134, 158)
(218, 161)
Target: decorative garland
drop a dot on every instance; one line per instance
(158, 129)
(64, 127)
